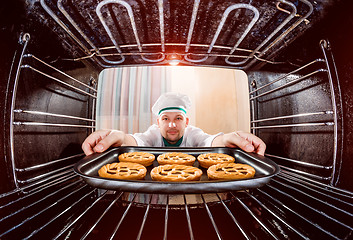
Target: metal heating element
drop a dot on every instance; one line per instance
(111, 14)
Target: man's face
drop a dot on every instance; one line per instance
(172, 125)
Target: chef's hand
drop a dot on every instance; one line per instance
(101, 140)
(246, 141)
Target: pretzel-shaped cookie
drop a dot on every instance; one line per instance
(176, 173)
(208, 159)
(144, 158)
(230, 171)
(176, 158)
(123, 170)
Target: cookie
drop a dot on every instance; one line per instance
(175, 173)
(208, 159)
(123, 170)
(176, 158)
(144, 158)
(230, 171)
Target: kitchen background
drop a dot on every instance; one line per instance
(126, 95)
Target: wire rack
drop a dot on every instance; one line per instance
(326, 117)
(24, 176)
(288, 207)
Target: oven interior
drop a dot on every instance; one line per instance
(297, 55)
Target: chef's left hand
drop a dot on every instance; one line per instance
(246, 141)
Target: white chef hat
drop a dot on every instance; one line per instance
(171, 102)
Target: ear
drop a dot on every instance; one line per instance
(187, 121)
(158, 121)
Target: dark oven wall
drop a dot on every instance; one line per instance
(46, 103)
(317, 145)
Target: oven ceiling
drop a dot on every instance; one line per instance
(236, 34)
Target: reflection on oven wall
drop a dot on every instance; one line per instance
(219, 101)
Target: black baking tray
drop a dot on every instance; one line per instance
(88, 168)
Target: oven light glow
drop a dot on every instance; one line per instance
(174, 60)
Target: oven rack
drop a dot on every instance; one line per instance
(27, 66)
(32, 123)
(329, 119)
(254, 95)
(86, 92)
(288, 207)
(67, 15)
(22, 119)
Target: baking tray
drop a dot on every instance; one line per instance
(88, 168)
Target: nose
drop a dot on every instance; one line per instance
(171, 124)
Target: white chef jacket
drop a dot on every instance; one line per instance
(193, 137)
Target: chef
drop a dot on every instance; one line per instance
(172, 130)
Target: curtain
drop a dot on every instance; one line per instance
(126, 95)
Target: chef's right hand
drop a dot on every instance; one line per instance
(101, 140)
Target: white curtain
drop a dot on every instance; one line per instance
(126, 95)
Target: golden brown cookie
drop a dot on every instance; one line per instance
(176, 158)
(208, 159)
(230, 171)
(175, 173)
(123, 170)
(144, 158)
